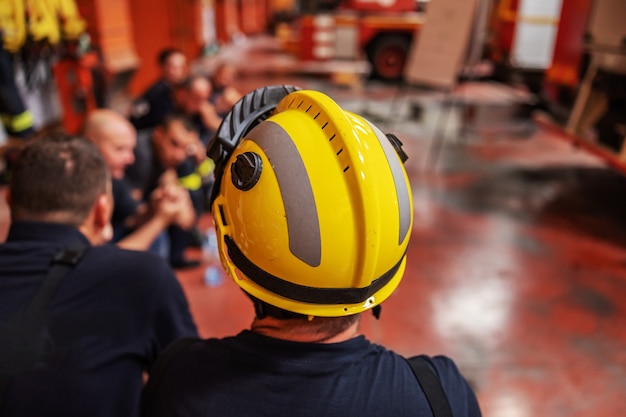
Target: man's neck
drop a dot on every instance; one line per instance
(300, 331)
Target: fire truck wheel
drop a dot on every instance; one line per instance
(387, 55)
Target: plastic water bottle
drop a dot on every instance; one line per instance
(212, 272)
(212, 276)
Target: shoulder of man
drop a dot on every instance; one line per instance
(151, 279)
(185, 362)
(147, 110)
(155, 92)
(137, 174)
(143, 148)
(145, 265)
(459, 392)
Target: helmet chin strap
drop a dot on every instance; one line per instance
(305, 294)
(262, 310)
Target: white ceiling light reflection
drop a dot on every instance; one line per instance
(509, 404)
(476, 306)
(424, 208)
(478, 309)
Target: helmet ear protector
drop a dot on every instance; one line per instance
(243, 172)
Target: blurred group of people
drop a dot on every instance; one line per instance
(160, 151)
(97, 223)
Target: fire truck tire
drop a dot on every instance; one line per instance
(387, 55)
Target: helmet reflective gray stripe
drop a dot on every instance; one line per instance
(295, 188)
(402, 188)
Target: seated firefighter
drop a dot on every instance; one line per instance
(224, 93)
(313, 217)
(80, 321)
(191, 97)
(195, 174)
(157, 101)
(137, 225)
(160, 155)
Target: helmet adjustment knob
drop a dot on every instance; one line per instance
(246, 170)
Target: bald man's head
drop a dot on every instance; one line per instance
(115, 137)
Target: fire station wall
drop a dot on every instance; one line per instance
(151, 29)
(158, 24)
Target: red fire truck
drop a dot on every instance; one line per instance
(380, 31)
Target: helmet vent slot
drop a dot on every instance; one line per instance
(316, 116)
(325, 124)
(222, 217)
(346, 168)
(332, 137)
(309, 108)
(300, 104)
(339, 151)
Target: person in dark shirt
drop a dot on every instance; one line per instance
(224, 94)
(136, 225)
(313, 216)
(158, 155)
(192, 98)
(157, 101)
(113, 313)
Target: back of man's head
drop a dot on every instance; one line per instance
(57, 178)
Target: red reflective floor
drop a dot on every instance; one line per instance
(516, 269)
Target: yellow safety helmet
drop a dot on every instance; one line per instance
(312, 205)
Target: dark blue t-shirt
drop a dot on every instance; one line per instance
(251, 374)
(152, 106)
(113, 314)
(124, 206)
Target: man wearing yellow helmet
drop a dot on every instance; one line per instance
(313, 213)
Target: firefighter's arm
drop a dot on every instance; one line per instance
(209, 116)
(169, 205)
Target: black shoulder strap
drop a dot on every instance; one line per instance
(151, 391)
(431, 386)
(22, 339)
(61, 265)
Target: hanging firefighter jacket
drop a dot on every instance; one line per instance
(30, 22)
(53, 20)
